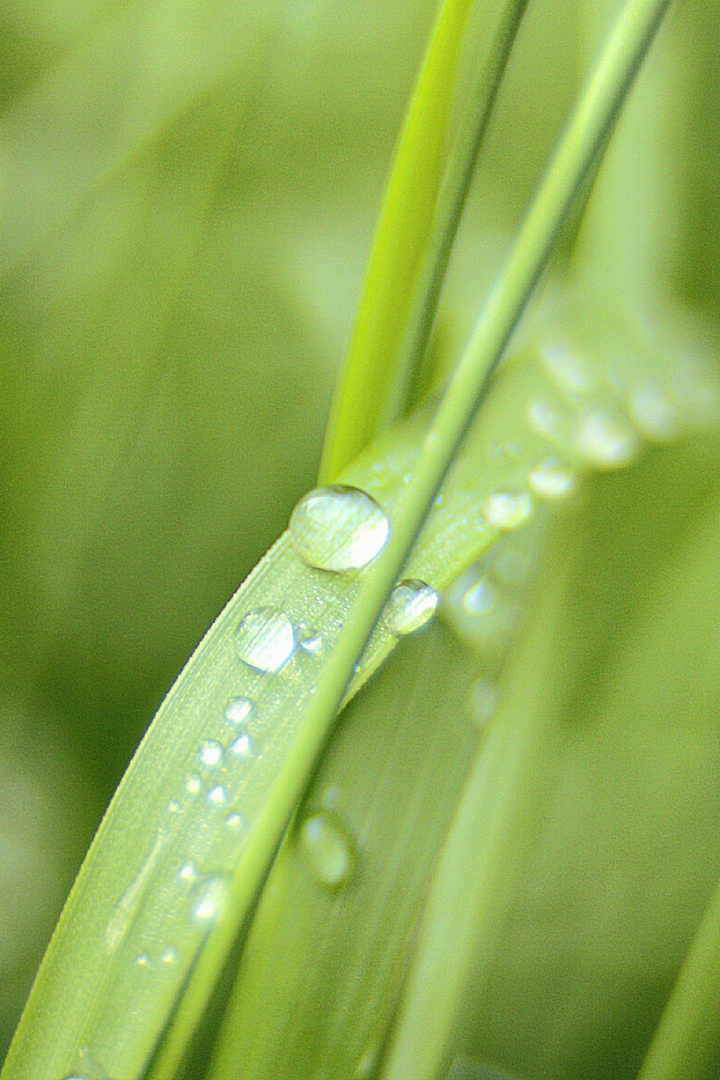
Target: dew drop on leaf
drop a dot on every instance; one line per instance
(550, 479)
(243, 746)
(411, 606)
(328, 850)
(208, 898)
(210, 753)
(605, 440)
(338, 528)
(265, 640)
(217, 796)
(507, 509)
(239, 709)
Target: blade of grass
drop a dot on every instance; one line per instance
(402, 236)
(635, 596)
(686, 1044)
(586, 133)
(113, 1010)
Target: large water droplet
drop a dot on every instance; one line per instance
(265, 639)
(208, 899)
(411, 605)
(507, 509)
(338, 528)
(550, 479)
(210, 753)
(328, 850)
(606, 440)
(239, 710)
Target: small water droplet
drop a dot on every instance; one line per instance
(544, 418)
(210, 753)
(243, 746)
(312, 644)
(507, 509)
(550, 479)
(479, 598)
(411, 605)
(338, 528)
(188, 871)
(142, 960)
(217, 796)
(234, 822)
(570, 372)
(265, 640)
(328, 850)
(653, 413)
(606, 440)
(483, 699)
(173, 807)
(331, 797)
(239, 710)
(169, 956)
(193, 784)
(208, 898)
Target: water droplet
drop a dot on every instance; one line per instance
(479, 598)
(606, 440)
(550, 479)
(217, 796)
(570, 372)
(328, 850)
(331, 797)
(173, 807)
(208, 898)
(411, 606)
(193, 784)
(507, 509)
(142, 960)
(265, 640)
(653, 413)
(210, 753)
(169, 956)
(483, 699)
(188, 871)
(239, 710)
(243, 746)
(338, 528)
(234, 822)
(544, 418)
(312, 644)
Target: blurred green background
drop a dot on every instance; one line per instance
(187, 195)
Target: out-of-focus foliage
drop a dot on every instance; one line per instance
(187, 191)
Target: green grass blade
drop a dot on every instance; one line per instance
(126, 900)
(686, 1044)
(403, 233)
(546, 780)
(322, 968)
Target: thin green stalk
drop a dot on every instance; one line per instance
(402, 236)
(589, 126)
(687, 1041)
(451, 203)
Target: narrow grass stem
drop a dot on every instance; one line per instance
(403, 232)
(687, 1041)
(451, 203)
(592, 120)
